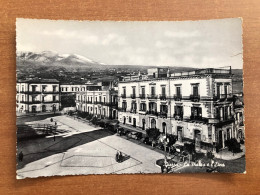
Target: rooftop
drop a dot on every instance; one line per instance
(38, 80)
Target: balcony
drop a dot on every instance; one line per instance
(178, 116)
(142, 96)
(163, 114)
(195, 98)
(162, 97)
(222, 96)
(133, 96)
(177, 97)
(31, 102)
(152, 112)
(123, 95)
(133, 111)
(50, 92)
(195, 117)
(89, 102)
(122, 109)
(153, 96)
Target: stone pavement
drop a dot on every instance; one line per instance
(82, 149)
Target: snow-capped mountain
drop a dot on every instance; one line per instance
(50, 58)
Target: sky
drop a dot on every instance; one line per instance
(201, 44)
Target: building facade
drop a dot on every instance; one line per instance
(37, 95)
(195, 106)
(97, 101)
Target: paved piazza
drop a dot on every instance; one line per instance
(82, 149)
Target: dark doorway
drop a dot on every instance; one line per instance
(197, 136)
(43, 108)
(164, 128)
(134, 122)
(33, 109)
(153, 123)
(124, 120)
(143, 124)
(179, 133)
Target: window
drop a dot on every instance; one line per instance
(218, 90)
(54, 88)
(54, 98)
(43, 88)
(104, 100)
(33, 88)
(143, 90)
(22, 88)
(130, 119)
(178, 91)
(133, 91)
(143, 107)
(163, 90)
(124, 91)
(178, 112)
(195, 91)
(196, 113)
(152, 90)
(99, 98)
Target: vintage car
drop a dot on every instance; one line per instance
(135, 135)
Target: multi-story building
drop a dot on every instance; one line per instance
(37, 95)
(98, 101)
(195, 106)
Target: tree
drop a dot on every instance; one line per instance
(153, 134)
(233, 145)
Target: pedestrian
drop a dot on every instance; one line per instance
(51, 119)
(54, 137)
(117, 156)
(20, 156)
(120, 157)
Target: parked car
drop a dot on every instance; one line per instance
(122, 131)
(135, 135)
(147, 141)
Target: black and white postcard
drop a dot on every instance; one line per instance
(110, 97)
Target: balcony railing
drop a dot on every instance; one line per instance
(222, 96)
(177, 97)
(123, 95)
(133, 96)
(142, 96)
(122, 109)
(153, 96)
(193, 117)
(133, 111)
(50, 92)
(195, 98)
(89, 102)
(163, 114)
(152, 112)
(162, 97)
(178, 116)
(39, 101)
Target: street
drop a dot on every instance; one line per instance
(79, 148)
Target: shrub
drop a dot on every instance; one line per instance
(233, 145)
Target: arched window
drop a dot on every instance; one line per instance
(153, 123)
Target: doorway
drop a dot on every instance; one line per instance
(33, 109)
(197, 136)
(143, 124)
(179, 133)
(153, 123)
(164, 128)
(43, 108)
(134, 122)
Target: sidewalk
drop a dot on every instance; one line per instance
(131, 128)
(228, 155)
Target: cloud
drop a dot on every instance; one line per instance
(114, 39)
(182, 34)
